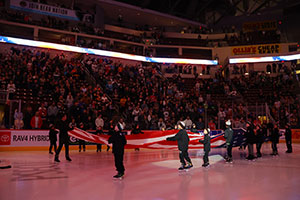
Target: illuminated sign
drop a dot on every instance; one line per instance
(264, 59)
(48, 45)
(256, 49)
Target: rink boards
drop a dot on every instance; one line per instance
(149, 139)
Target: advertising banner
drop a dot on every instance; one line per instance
(260, 26)
(256, 49)
(295, 135)
(21, 138)
(43, 9)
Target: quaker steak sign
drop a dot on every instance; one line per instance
(256, 49)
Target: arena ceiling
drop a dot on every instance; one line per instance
(209, 11)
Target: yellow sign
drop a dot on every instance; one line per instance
(256, 49)
(260, 26)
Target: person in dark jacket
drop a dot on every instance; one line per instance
(182, 139)
(288, 138)
(118, 142)
(136, 130)
(52, 138)
(63, 128)
(82, 142)
(206, 143)
(250, 139)
(275, 140)
(260, 138)
(229, 141)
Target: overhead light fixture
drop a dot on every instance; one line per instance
(62, 47)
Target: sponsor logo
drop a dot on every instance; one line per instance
(256, 49)
(5, 138)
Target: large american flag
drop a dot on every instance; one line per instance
(153, 139)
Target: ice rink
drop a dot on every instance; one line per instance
(150, 175)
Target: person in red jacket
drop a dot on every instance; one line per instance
(36, 121)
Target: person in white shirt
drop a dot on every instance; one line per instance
(11, 88)
(121, 121)
(161, 125)
(69, 100)
(99, 122)
(136, 113)
(188, 123)
(166, 115)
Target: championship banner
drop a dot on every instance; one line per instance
(43, 9)
(256, 49)
(260, 26)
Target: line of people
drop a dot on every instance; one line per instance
(255, 134)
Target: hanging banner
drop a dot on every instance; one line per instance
(43, 9)
(260, 26)
(256, 49)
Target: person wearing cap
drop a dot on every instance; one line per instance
(182, 139)
(206, 143)
(52, 138)
(229, 140)
(288, 138)
(118, 141)
(82, 142)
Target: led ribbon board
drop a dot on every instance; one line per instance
(264, 59)
(48, 45)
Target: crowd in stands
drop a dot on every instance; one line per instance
(137, 92)
(35, 73)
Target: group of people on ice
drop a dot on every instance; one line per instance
(255, 134)
(118, 141)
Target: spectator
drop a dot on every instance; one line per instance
(199, 124)
(99, 122)
(11, 89)
(211, 125)
(161, 125)
(188, 123)
(52, 112)
(36, 121)
(18, 116)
